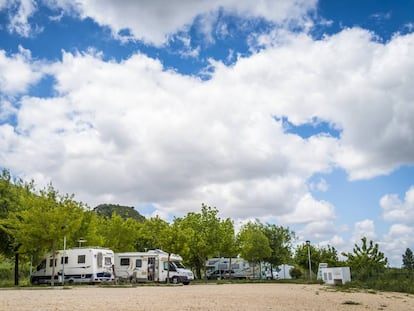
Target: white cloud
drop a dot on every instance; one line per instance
(396, 241)
(17, 72)
(396, 210)
(364, 228)
(154, 21)
(134, 133)
(20, 12)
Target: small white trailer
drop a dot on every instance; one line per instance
(336, 275)
(151, 266)
(76, 265)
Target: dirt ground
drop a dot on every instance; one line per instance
(272, 296)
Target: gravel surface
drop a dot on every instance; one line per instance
(272, 296)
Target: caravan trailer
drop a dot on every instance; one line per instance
(76, 265)
(151, 266)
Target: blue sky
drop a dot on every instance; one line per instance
(298, 113)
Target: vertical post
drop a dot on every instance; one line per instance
(309, 259)
(64, 258)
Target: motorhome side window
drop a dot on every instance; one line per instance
(42, 265)
(61, 260)
(100, 259)
(81, 258)
(51, 262)
(124, 262)
(138, 263)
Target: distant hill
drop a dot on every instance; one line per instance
(123, 211)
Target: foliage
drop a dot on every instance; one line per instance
(408, 259)
(202, 235)
(302, 257)
(280, 242)
(391, 279)
(366, 260)
(124, 211)
(119, 234)
(295, 273)
(149, 232)
(254, 245)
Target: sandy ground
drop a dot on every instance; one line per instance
(202, 297)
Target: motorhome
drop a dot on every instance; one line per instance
(76, 265)
(151, 266)
(235, 268)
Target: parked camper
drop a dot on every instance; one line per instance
(219, 268)
(151, 266)
(77, 265)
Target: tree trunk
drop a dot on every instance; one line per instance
(168, 270)
(16, 269)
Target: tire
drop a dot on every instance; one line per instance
(186, 283)
(34, 281)
(175, 280)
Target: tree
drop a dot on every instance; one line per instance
(172, 240)
(203, 236)
(149, 233)
(254, 245)
(228, 244)
(41, 227)
(366, 260)
(408, 259)
(119, 234)
(302, 257)
(11, 193)
(329, 255)
(280, 242)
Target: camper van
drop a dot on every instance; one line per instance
(77, 265)
(151, 266)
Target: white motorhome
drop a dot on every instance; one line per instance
(151, 266)
(236, 268)
(76, 265)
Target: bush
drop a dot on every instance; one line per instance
(296, 273)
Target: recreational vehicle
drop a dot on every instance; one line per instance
(77, 265)
(151, 266)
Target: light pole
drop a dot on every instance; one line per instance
(309, 258)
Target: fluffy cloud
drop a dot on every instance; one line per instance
(17, 72)
(132, 132)
(396, 241)
(364, 228)
(396, 210)
(153, 21)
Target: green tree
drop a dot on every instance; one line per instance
(280, 242)
(228, 243)
(119, 234)
(172, 240)
(408, 259)
(254, 245)
(12, 191)
(149, 233)
(366, 260)
(41, 227)
(203, 236)
(329, 255)
(302, 257)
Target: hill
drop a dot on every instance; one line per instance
(123, 211)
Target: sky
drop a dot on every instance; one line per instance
(298, 113)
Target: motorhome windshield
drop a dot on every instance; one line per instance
(179, 265)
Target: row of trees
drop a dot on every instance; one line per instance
(35, 222)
